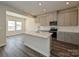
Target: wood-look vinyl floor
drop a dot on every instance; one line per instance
(15, 48)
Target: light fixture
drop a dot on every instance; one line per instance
(67, 3)
(40, 3)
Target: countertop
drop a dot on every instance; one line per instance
(40, 34)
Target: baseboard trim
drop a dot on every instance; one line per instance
(2, 45)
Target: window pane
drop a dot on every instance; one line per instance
(11, 25)
(18, 25)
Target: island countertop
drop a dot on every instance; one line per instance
(40, 34)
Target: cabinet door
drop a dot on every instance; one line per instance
(61, 19)
(69, 18)
(66, 19)
(37, 20)
(73, 18)
(44, 21)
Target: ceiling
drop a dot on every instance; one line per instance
(33, 7)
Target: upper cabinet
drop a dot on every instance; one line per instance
(37, 20)
(44, 20)
(68, 17)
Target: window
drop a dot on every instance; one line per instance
(18, 25)
(11, 25)
(14, 26)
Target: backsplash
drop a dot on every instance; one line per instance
(46, 28)
(74, 29)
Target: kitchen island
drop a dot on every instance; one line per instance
(38, 41)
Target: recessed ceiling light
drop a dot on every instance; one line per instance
(67, 3)
(40, 3)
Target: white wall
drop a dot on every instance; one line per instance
(15, 10)
(2, 25)
(12, 18)
(30, 24)
(28, 27)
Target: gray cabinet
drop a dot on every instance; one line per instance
(37, 20)
(43, 21)
(68, 37)
(68, 17)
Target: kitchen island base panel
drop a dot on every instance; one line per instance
(39, 44)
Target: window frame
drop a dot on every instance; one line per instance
(20, 24)
(10, 25)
